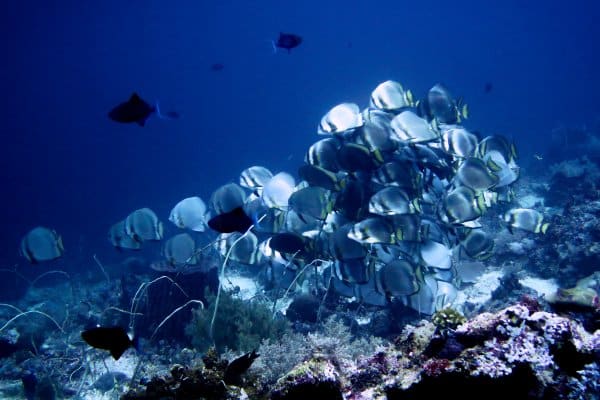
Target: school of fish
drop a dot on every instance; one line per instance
(386, 206)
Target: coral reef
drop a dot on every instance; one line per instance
(568, 142)
(239, 325)
(570, 250)
(316, 378)
(205, 382)
(518, 352)
(333, 341)
(579, 175)
(447, 318)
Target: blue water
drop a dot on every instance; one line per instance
(65, 64)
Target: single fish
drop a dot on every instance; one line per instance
(114, 339)
(238, 366)
(286, 41)
(255, 178)
(341, 119)
(118, 237)
(143, 224)
(180, 249)
(137, 110)
(227, 198)
(41, 244)
(391, 96)
(189, 213)
(526, 219)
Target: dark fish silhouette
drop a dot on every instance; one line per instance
(114, 339)
(488, 87)
(235, 220)
(287, 41)
(217, 67)
(138, 110)
(133, 110)
(238, 366)
(287, 242)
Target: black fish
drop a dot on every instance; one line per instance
(287, 242)
(137, 110)
(287, 41)
(235, 220)
(488, 87)
(217, 67)
(113, 339)
(133, 110)
(353, 200)
(238, 366)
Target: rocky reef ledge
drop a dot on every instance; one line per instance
(520, 352)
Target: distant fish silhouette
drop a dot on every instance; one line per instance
(217, 67)
(488, 87)
(287, 41)
(137, 110)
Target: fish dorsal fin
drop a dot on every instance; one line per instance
(135, 98)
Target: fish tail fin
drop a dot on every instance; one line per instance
(169, 115)
(544, 228)
(157, 110)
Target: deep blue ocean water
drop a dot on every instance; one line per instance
(65, 64)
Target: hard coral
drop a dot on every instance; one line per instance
(512, 353)
(207, 382)
(435, 366)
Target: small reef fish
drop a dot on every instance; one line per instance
(189, 213)
(143, 224)
(180, 249)
(118, 237)
(341, 119)
(391, 96)
(526, 219)
(41, 244)
(255, 178)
